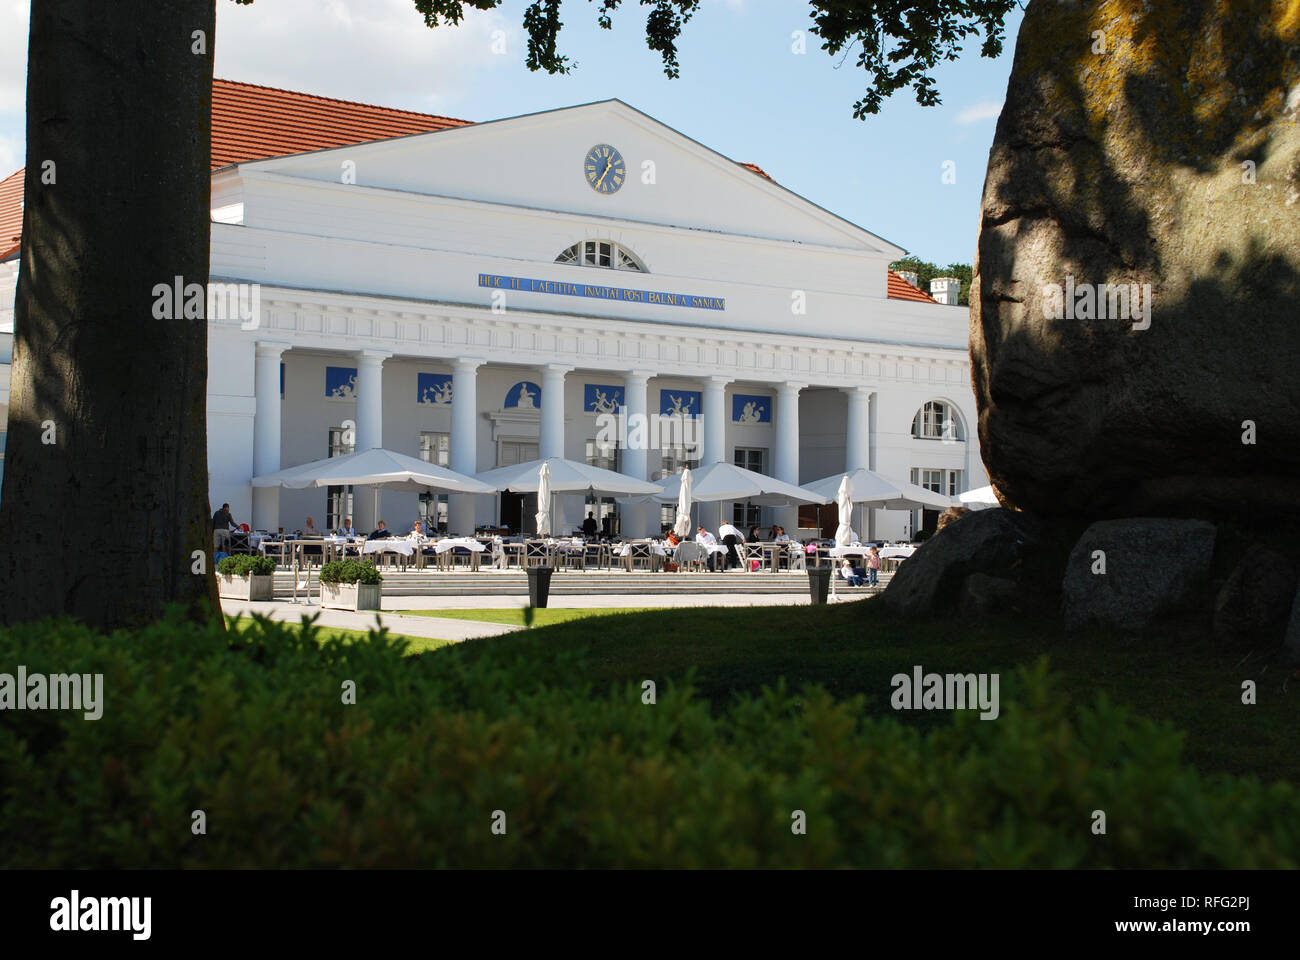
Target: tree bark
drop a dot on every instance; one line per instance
(104, 507)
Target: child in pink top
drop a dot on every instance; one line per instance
(873, 567)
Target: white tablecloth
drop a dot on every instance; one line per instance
(900, 552)
(849, 551)
(391, 545)
(656, 548)
(450, 543)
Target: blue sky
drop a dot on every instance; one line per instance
(742, 91)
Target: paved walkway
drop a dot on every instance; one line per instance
(450, 629)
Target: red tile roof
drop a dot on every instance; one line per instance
(900, 289)
(252, 122)
(11, 212)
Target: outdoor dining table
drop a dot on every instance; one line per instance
(443, 551)
(398, 545)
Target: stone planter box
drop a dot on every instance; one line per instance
(350, 596)
(252, 587)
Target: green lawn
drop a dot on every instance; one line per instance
(852, 648)
(544, 617)
(417, 645)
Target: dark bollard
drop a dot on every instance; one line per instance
(819, 582)
(539, 585)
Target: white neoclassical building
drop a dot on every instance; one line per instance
(480, 294)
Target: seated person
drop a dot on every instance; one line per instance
(854, 575)
(381, 532)
(672, 538)
(309, 529)
(709, 540)
(755, 534)
(347, 530)
(417, 534)
(779, 535)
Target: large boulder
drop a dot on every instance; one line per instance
(1131, 574)
(1254, 604)
(996, 542)
(1144, 143)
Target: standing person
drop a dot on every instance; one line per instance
(731, 536)
(589, 526)
(873, 566)
(222, 524)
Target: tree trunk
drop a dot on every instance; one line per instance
(104, 507)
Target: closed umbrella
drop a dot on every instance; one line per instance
(980, 498)
(544, 500)
(844, 500)
(683, 525)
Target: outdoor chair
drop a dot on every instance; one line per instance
(639, 557)
(691, 556)
(798, 556)
(275, 550)
(744, 552)
(537, 553)
(594, 556)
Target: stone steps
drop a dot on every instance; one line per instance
(567, 583)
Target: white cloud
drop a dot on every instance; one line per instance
(977, 112)
(374, 51)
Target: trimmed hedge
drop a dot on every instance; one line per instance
(349, 571)
(242, 565)
(252, 730)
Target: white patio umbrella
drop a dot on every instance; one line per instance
(567, 476)
(543, 516)
(378, 468)
(374, 468)
(683, 524)
(844, 500)
(980, 498)
(724, 481)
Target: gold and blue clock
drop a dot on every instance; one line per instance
(604, 169)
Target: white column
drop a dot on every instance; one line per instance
(370, 431)
(266, 432)
(715, 420)
(857, 441)
(785, 461)
(464, 442)
(551, 440)
(639, 520)
(870, 532)
(714, 414)
(857, 447)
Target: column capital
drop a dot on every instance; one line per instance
(643, 375)
(718, 381)
(791, 386)
(373, 356)
(557, 369)
(272, 349)
(468, 364)
(861, 391)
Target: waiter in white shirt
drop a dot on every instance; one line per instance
(731, 536)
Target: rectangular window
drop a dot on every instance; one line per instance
(751, 458)
(435, 448)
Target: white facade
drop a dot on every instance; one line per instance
(380, 259)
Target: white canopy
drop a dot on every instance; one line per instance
(871, 489)
(724, 481)
(375, 467)
(567, 476)
(979, 498)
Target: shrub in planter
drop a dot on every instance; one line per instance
(249, 728)
(350, 585)
(246, 577)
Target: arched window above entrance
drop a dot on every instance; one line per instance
(601, 253)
